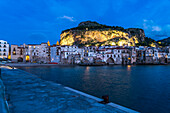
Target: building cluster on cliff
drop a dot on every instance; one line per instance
(92, 55)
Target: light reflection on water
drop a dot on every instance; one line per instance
(143, 88)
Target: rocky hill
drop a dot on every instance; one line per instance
(164, 42)
(92, 33)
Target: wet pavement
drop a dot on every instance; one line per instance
(27, 93)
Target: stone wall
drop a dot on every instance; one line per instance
(3, 103)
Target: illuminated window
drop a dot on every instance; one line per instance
(14, 52)
(27, 58)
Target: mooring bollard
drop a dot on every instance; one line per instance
(105, 98)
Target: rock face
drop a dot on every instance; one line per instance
(92, 33)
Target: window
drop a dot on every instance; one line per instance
(107, 55)
(21, 52)
(0, 45)
(4, 54)
(14, 52)
(4, 45)
(4, 42)
(0, 54)
(0, 49)
(4, 50)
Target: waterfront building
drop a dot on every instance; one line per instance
(90, 51)
(88, 60)
(168, 54)
(126, 56)
(140, 55)
(133, 55)
(162, 56)
(55, 53)
(44, 53)
(4, 49)
(17, 53)
(155, 56)
(149, 53)
(66, 54)
(37, 53)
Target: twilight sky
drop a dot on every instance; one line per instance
(36, 21)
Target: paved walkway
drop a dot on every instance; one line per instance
(28, 94)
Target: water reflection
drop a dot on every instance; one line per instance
(129, 67)
(86, 73)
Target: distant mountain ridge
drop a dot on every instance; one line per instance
(164, 42)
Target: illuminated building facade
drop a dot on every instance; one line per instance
(17, 53)
(36, 53)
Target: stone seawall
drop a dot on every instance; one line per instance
(3, 103)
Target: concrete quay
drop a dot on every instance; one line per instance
(26, 93)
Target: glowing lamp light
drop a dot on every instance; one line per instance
(9, 56)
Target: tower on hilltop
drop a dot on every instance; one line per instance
(57, 43)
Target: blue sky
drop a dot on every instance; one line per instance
(36, 21)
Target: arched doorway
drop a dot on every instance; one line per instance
(20, 59)
(27, 58)
(110, 61)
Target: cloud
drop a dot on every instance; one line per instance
(68, 18)
(147, 24)
(156, 28)
(151, 26)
